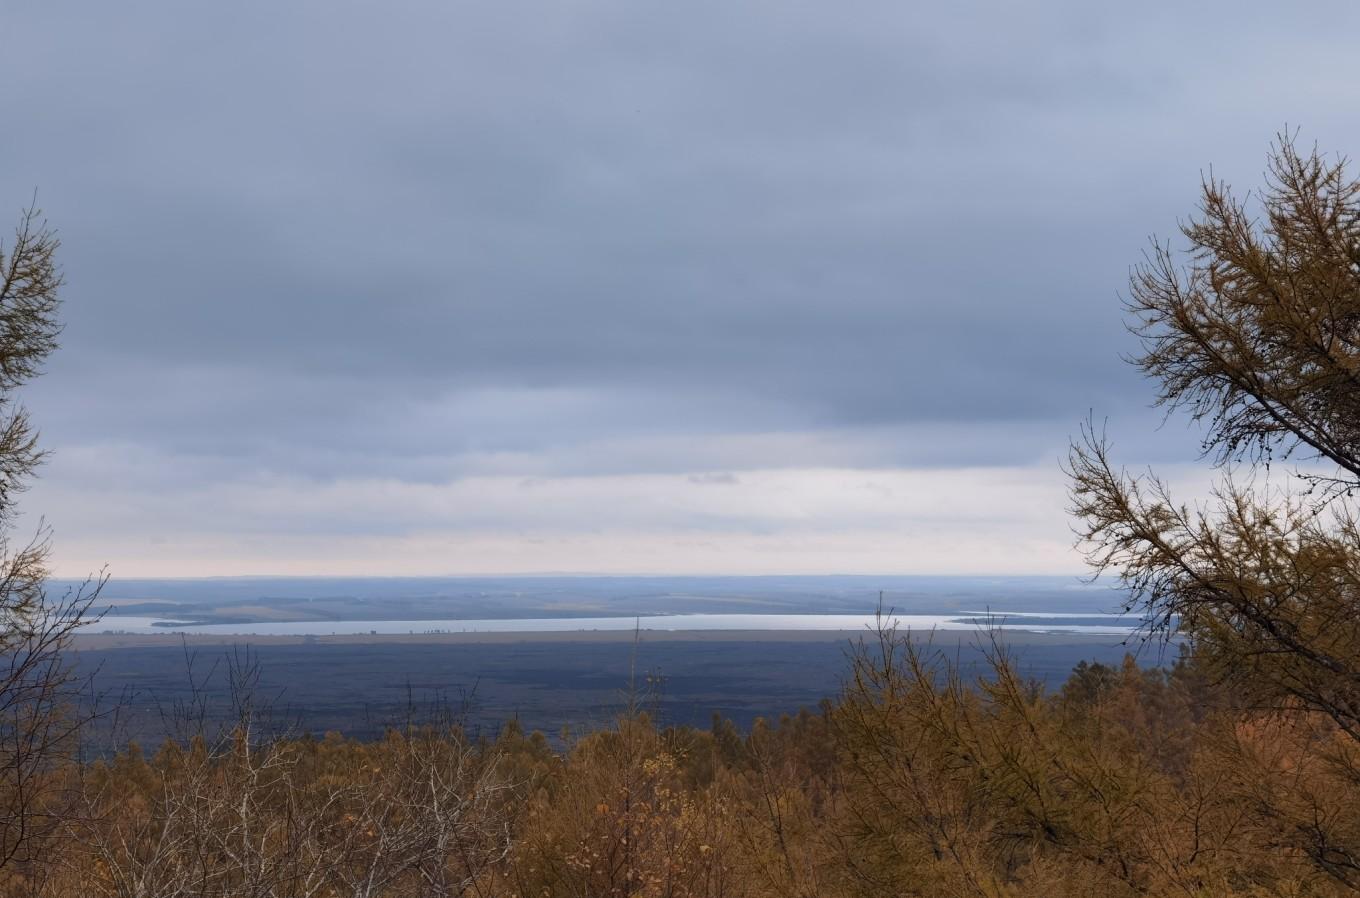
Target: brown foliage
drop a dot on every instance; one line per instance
(915, 782)
(1258, 336)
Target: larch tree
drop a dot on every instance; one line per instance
(1254, 330)
(37, 724)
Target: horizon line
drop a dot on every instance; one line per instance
(532, 575)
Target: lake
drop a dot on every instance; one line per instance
(1031, 622)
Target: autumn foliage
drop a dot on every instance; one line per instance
(1128, 781)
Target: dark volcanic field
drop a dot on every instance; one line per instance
(360, 689)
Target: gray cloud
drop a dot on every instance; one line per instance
(432, 240)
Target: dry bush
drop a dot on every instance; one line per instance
(249, 813)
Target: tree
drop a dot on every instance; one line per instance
(1254, 330)
(36, 687)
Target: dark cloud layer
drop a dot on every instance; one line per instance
(429, 239)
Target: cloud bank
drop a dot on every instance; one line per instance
(429, 287)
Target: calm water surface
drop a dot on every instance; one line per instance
(1033, 622)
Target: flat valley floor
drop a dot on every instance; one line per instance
(360, 685)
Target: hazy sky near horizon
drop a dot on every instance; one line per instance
(617, 286)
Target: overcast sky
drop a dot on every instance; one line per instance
(702, 287)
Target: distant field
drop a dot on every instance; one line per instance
(359, 685)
